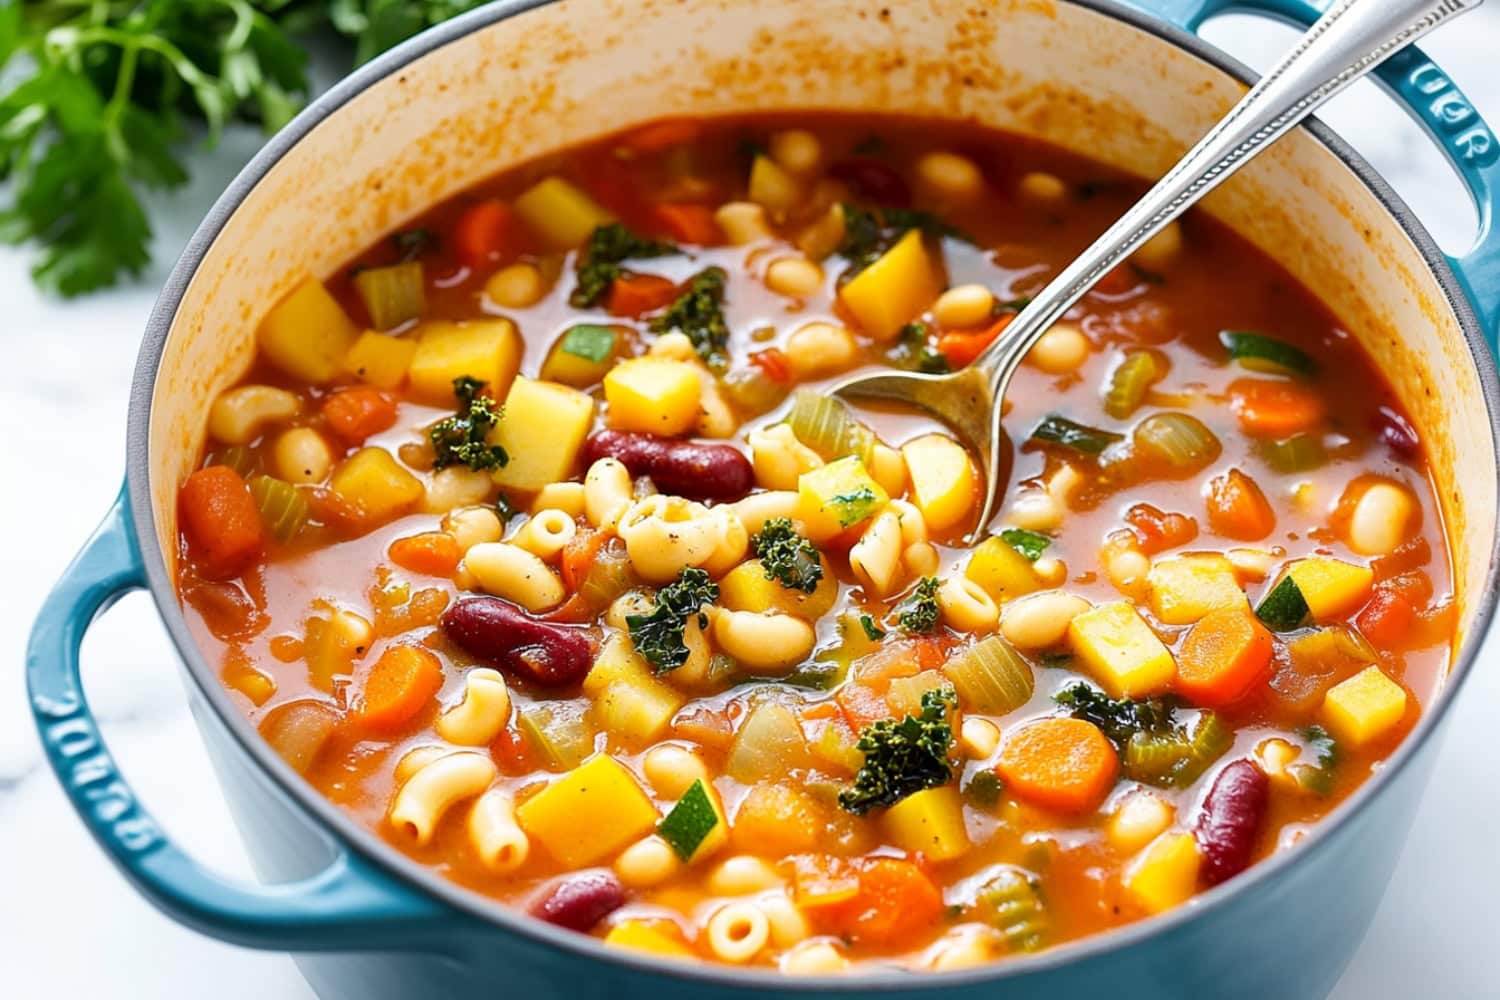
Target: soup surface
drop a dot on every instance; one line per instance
(535, 542)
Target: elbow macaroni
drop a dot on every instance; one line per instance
(733, 544)
(738, 931)
(483, 712)
(758, 508)
(435, 788)
(779, 458)
(876, 557)
(498, 840)
(607, 493)
(966, 607)
(566, 497)
(545, 533)
(509, 571)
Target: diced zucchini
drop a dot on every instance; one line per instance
(629, 701)
(561, 214)
(894, 290)
(1184, 589)
(378, 484)
(747, 588)
(1332, 588)
(542, 429)
(991, 678)
(1298, 453)
(1364, 708)
(1166, 872)
(379, 359)
(487, 350)
(589, 814)
(942, 480)
(836, 497)
(583, 355)
(307, 333)
(1284, 608)
(1260, 353)
(695, 827)
(1121, 652)
(929, 822)
(653, 394)
(1001, 571)
(1085, 440)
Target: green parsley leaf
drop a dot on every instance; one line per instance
(854, 506)
(918, 612)
(599, 264)
(699, 313)
(461, 438)
(593, 343)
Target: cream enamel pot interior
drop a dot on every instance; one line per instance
(516, 79)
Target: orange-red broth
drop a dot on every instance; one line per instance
(252, 626)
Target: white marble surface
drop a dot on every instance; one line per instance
(71, 927)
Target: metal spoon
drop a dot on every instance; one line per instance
(1350, 40)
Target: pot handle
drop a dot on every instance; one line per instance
(1437, 104)
(349, 905)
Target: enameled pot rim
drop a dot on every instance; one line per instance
(352, 836)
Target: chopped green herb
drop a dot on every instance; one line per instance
(933, 362)
(414, 243)
(816, 675)
(1030, 544)
(599, 264)
(853, 507)
(903, 758)
(1284, 608)
(984, 789)
(1317, 777)
(1118, 720)
(699, 313)
(918, 612)
(586, 340)
(1081, 438)
(691, 820)
(658, 635)
(787, 557)
(461, 438)
(873, 632)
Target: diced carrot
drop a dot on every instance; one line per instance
(1238, 509)
(708, 727)
(773, 361)
(1158, 530)
(1223, 656)
(687, 222)
(358, 412)
(578, 555)
(662, 135)
(223, 526)
(398, 686)
(1386, 621)
(822, 881)
(1415, 586)
(634, 295)
(1413, 554)
(896, 902)
(818, 710)
(1060, 763)
(899, 658)
(962, 348)
(861, 705)
(778, 820)
(434, 553)
(484, 233)
(1275, 409)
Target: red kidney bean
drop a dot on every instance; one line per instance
(506, 636)
(687, 468)
(580, 901)
(872, 180)
(1231, 819)
(1396, 432)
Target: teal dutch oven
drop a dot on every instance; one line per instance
(1130, 85)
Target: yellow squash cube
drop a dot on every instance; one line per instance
(930, 822)
(1331, 587)
(1166, 872)
(630, 702)
(1186, 588)
(656, 937)
(942, 480)
(658, 395)
(1364, 708)
(1001, 571)
(378, 484)
(488, 350)
(589, 814)
(746, 588)
(1121, 652)
(894, 290)
(543, 427)
(560, 213)
(837, 496)
(307, 333)
(379, 359)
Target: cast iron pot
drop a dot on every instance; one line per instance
(1132, 86)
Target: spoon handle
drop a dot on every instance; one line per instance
(1351, 39)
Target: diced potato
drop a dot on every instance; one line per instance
(543, 427)
(1186, 588)
(837, 496)
(1166, 873)
(772, 187)
(1331, 587)
(1364, 708)
(746, 588)
(942, 480)
(895, 289)
(930, 822)
(1001, 571)
(655, 937)
(561, 214)
(379, 359)
(589, 814)
(488, 350)
(1121, 652)
(630, 702)
(307, 333)
(377, 483)
(659, 395)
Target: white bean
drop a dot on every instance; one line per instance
(963, 306)
(1038, 621)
